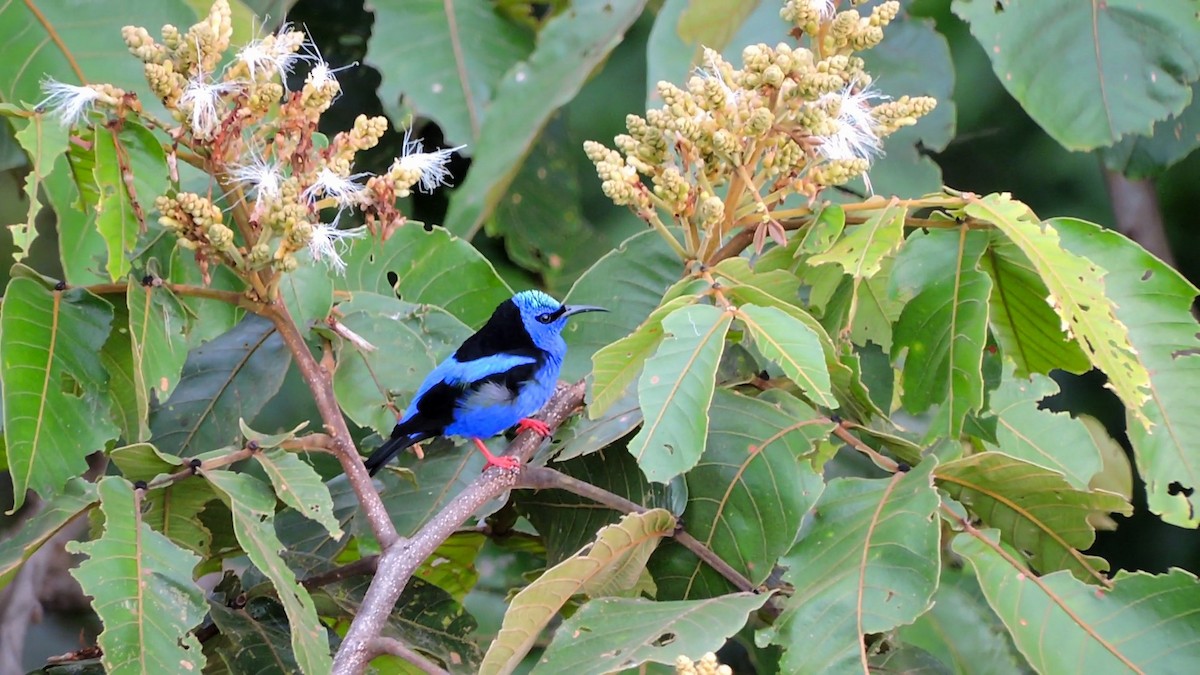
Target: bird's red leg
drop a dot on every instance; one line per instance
(537, 426)
(503, 462)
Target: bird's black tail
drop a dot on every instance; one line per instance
(384, 453)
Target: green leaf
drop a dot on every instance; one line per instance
(962, 631)
(1027, 329)
(54, 514)
(749, 492)
(1155, 302)
(824, 230)
(120, 217)
(1076, 286)
(569, 47)
(224, 380)
(433, 268)
(1120, 65)
(301, 537)
(157, 322)
(583, 435)
(142, 587)
(860, 253)
(860, 308)
(428, 484)
(611, 634)
(255, 638)
(54, 387)
(410, 340)
(630, 281)
(307, 291)
(797, 349)
(253, 508)
(617, 365)
(1053, 440)
(868, 565)
(1036, 509)
(1146, 623)
(612, 563)
(943, 328)
(1138, 156)
(448, 63)
(452, 565)
(712, 23)
(72, 197)
(298, 485)
(675, 390)
(128, 405)
(208, 318)
(45, 140)
(173, 509)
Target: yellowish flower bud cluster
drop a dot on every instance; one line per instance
(364, 135)
(197, 222)
(707, 665)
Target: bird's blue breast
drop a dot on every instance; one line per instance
(490, 410)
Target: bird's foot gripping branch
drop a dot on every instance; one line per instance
(813, 424)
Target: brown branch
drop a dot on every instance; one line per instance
(400, 560)
(387, 645)
(545, 478)
(361, 566)
(231, 297)
(197, 466)
(1137, 212)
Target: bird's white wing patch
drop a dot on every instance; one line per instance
(490, 394)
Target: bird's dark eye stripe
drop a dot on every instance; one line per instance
(549, 317)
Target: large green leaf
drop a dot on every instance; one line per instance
(133, 151)
(1054, 440)
(1036, 509)
(1144, 624)
(253, 506)
(208, 318)
(300, 487)
(445, 58)
(1174, 138)
(1077, 293)
(613, 563)
(569, 48)
(860, 252)
(1119, 66)
(142, 587)
(942, 329)
(611, 634)
(675, 390)
(72, 196)
(869, 564)
(409, 340)
(45, 140)
(254, 638)
(227, 379)
(433, 268)
(77, 497)
(630, 282)
(582, 435)
(748, 494)
(173, 509)
(308, 291)
(1155, 302)
(157, 323)
(426, 485)
(54, 387)
(794, 346)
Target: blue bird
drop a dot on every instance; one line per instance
(498, 378)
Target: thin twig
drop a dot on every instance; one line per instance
(361, 566)
(387, 645)
(884, 462)
(190, 470)
(231, 297)
(399, 561)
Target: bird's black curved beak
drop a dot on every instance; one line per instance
(580, 309)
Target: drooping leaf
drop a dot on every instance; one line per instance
(72, 196)
(115, 216)
(54, 387)
(1036, 509)
(300, 487)
(142, 587)
(1123, 64)
(749, 492)
(45, 141)
(675, 390)
(611, 634)
(224, 380)
(54, 514)
(1145, 156)
(869, 564)
(582, 435)
(1154, 301)
(173, 509)
(861, 250)
(860, 308)
(1076, 286)
(433, 268)
(157, 326)
(253, 506)
(569, 47)
(255, 638)
(1145, 623)
(797, 349)
(1054, 440)
(612, 563)
(449, 63)
(301, 537)
(943, 328)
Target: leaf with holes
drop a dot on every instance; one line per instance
(1147, 156)
(172, 509)
(254, 638)
(797, 349)
(860, 252)
(748, 494)
(1077, 292)
(45, 140)
(611, 634)
(423, 486)
(1155, 302)
(54, 387)
(1036, 509)
(1145, 624)
(76, 498)
(675, 390)
(142, 587)
(868, 564)
(300, 487)
(614, 562)
(253, 506)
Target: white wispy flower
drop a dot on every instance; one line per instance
(857, 135)
(271, 55)
(341, 188)
(431, 166)
(202, 99)
(321, 74)
(69, 103)
(328, 243)
(259, 176)
(824, 8)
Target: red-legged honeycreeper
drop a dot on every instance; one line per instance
(498, 378)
